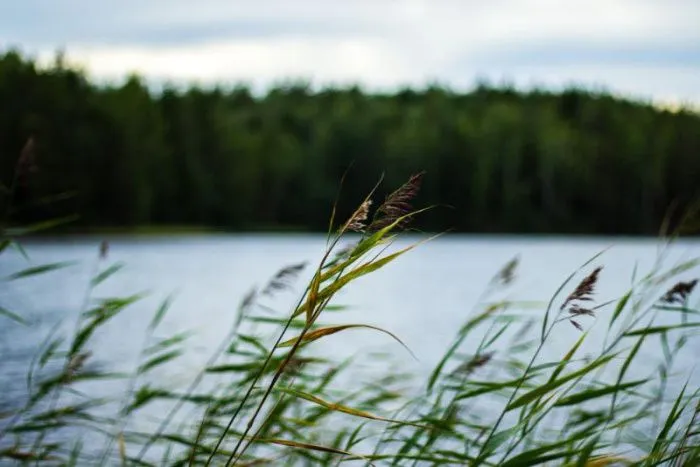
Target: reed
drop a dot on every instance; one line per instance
(272, 393)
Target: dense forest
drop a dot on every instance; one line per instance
(496, 160)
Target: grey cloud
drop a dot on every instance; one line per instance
(42, 23)
(453, 40)
(165, 35)
(578, 53)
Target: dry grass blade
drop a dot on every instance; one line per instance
(327, 331)
(608, 460)
(312, 300)
(122, 448)
(312, 447)
(344, 408)
(15, 454)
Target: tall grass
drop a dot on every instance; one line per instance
(272, 392)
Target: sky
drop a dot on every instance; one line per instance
(644, 49)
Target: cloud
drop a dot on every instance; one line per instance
(256, 61)
(640, 47)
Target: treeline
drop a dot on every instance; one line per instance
(497, 160)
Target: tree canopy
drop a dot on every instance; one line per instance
(496, 159)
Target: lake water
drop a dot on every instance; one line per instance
(423, 297)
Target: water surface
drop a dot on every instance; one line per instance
(423, 297)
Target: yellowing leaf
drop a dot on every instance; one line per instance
(309, 446)
(341, 408)
(321, 332)
(316, 296)
(603, 461)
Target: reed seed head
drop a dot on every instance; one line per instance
(679, 292)
(76, 363)
(507, 273)
(476, 362)
(585, 290)
(398, 204)
(577, 310)
(357, 222)
(283, 278)
(296, 364)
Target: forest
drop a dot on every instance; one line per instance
(496, 160)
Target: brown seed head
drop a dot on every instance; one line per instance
(577, 310)
(356, 223)
(679, 292)
(585, 290)
(398, 204)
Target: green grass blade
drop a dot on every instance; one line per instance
(35, 270)
(621, 304)
(659, 329)
(586, 452)
(160, 313)
(583, 396)
(106, 274)
(13, 316)
(310, 446)
(158, 360)
(542, 390)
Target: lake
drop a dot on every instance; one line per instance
(423, 297)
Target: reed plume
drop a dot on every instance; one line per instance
(397, 204)
(75, 365)
(283, 279)
(476, 362)
(585, 290)
(357, 222)
(679, 292)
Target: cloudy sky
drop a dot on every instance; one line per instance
(648, 49)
